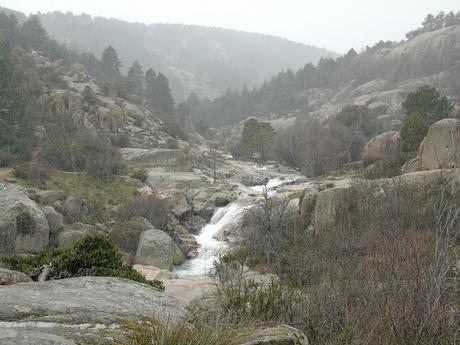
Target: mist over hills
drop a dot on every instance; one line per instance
(197, 59)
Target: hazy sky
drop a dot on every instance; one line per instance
(334, 24)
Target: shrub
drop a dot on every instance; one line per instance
(31, 171)
(186, 333)
(104, 165)
(25, 223)
(151, 207)
(389, 166)
(172, 127)
(92, 256)
(141, 175)
(120, 140)
(6, 158)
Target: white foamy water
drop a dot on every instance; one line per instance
(209, 247)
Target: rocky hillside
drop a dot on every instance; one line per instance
(196, 59)
(380, 77)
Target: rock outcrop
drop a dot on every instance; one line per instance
(381, 145)
(76, 310)
(23, 224)
(157, 248)
(73, 233)
(441, 147)
(9, 277)
(340, 206)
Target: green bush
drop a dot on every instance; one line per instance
(423, 107)
(120, 140)
(92, 256)
(104, 165)
(389, 166)
(32, 172)
(25, 223)
(6, 158)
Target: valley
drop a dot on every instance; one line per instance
(319, 207)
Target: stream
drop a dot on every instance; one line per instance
(209, 247)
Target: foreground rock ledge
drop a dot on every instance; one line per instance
(63, 311)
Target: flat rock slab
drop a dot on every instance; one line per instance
(94, 307)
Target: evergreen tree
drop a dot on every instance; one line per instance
(429, 103)
(34, 34)
(111, 63)
(424, 107)
(158, 93)
(16, 137)
(136, 78)
(256, 137)
(164, 101)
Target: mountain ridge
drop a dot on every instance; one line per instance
(197, 59)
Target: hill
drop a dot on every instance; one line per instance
(196, 59)
(380, 77)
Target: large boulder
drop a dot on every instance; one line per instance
(23, 224)
(116, 116)
(88, 310)
(381, 145)
(75, 207)
(332, 207)
(441, 147)
(156, 248)
(47, 197)
(103, 118)
(278, 335)
(341, 206)
(8, 277)
(73, 233)
(55, 223)
(58, 99)
(132, 111)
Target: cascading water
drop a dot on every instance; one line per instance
(209, 247)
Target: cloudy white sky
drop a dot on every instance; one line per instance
(334, 24)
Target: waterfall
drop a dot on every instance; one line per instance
(209, 247)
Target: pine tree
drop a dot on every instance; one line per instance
(164, 101)
(111, 63)
(136, 78)
(158, 93)
(34, 34)
(15, 122)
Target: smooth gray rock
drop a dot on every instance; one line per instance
(21, 336)
(46, 197)
(75, 207)
(84, 310)
(9, 277)
(13, 201)
(156, 248)
(85, 300)
(73, 233)
(55, 222)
